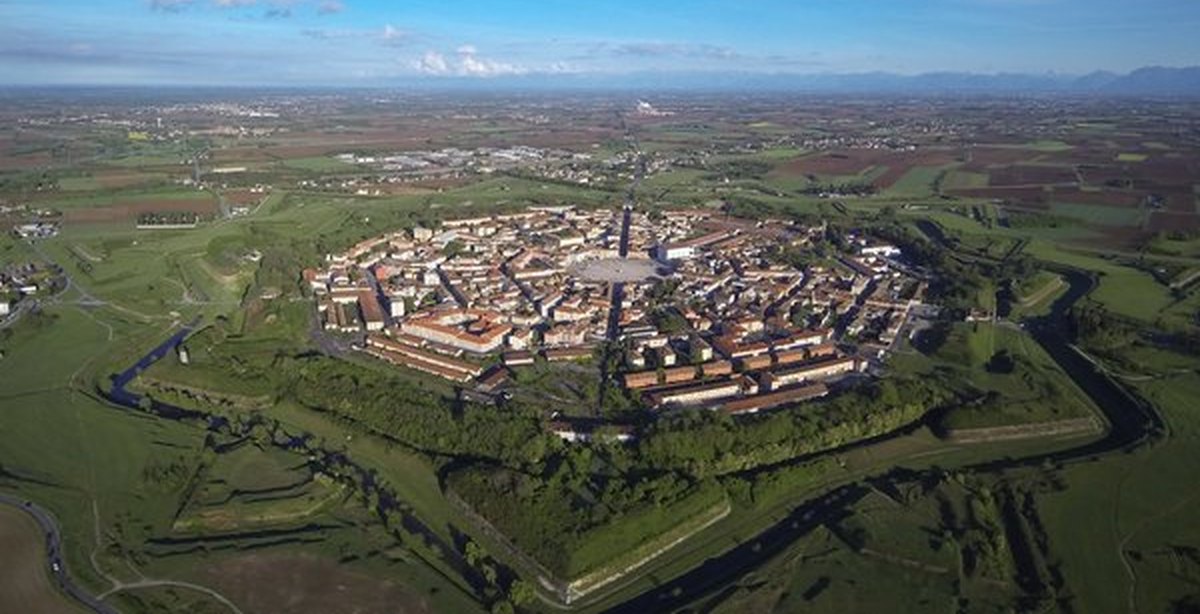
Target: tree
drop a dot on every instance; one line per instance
(473, 553)
(521, 593)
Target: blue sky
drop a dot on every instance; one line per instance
(374, 42)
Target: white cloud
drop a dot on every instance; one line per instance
(229, 4)
(466, 64)
(432, 63)
(472, 66)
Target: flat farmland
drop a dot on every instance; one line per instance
(981, 159)
(1027, 197)
(108, 179)
(964, 180)
(299, 583)
(25, 584)
(888, 167)
(244, 197)
(917, 181)
(1028, 174)
(1169, 170)
(1107, 197)
(1170, 221)
(130, 211)
(1099, 214)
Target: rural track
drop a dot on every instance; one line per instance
(152, 583)
(144, 582)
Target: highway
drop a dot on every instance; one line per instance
(58, 568)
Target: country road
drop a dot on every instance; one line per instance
(58, 568)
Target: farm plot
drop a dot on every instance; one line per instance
(1107, 198)
(982, 159)
(1029, 198)
(964, 180)
(1099, 214)
(882, 167)
(204, 206)
(1172, 221)
(1031, 175)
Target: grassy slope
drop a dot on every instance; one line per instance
(1116, 524)
(1022, 400)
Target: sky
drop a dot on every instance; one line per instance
(378, 42)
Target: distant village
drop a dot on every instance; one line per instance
(24, 281)
(699, 306)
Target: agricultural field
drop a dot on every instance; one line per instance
(322, 480)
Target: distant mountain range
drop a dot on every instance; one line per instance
(1154, 81)
(1150, 81)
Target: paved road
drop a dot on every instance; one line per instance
(58, 568)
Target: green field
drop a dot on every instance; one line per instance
(1050, 145)
(964, 180)
(54, 441)
(928, 548)
(78, 184)
(321, 164)
(918, 181)
(1125, 524)
(81, 200)
(1123, 289)
(1099, 214)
